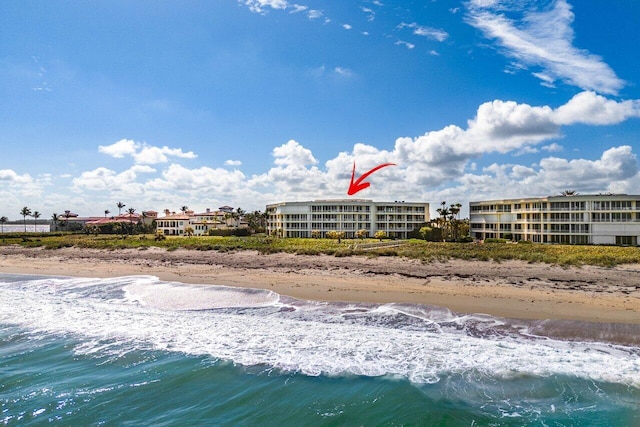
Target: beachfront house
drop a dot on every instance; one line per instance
(175, 224)
(316, 218)
(601, 219)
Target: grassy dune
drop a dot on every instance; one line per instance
(415, 249)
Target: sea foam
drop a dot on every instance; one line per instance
(260, 328)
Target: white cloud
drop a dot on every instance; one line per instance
(151, 155)
(406, 44)
(314, 14)
(616, 169)
(553, 148)
(424, 31)
(589, 108)
(296, 8)
(120, 148)
(438, 165)
(9, 177)
(371, 15)
(143, 153)
(432, 33)
(259, 6)
(103, 178)
(347, 26)
(202, 180)
(292, 153)
(543, 38)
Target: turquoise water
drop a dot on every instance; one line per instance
(138, 351)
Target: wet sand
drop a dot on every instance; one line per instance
(512, 289)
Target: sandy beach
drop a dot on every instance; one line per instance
(508, 289)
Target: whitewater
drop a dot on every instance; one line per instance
(485, 368)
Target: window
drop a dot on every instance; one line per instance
(600, 217)
(627, 240)
(623, 205)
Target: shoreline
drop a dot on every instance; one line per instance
(513, 289)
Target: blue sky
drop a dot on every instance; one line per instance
(161, 104)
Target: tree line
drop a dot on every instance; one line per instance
(256, 221)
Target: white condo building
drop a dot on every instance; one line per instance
(299, 219)
(609, 219)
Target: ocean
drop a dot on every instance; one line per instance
(140, 351)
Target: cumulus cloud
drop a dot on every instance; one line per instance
(554, 147)
(143, 153)
(438, 165)
(616, 169)
(292, 153)
(120, 148)
(542, 37)
(347, 26)
(590, 108)
(103, 178)
(9, 177)
(294, 173)
(260, 6)
(201, 180)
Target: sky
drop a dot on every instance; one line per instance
(164, 104)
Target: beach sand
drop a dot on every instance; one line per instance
(513, 289)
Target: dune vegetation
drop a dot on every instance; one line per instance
(414, 249)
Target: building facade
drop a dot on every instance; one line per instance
(175, 224)
(607, 219)
(300, 219)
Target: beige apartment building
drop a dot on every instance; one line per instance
(299, 219)
(605, 219)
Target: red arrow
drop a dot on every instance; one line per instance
(358, 185)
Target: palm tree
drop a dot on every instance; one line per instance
(184, 209)
(25, 212)
(131, 211)
(36, 215)
(65, 219)
(454, 210)
(54, 220)
(120, 205)
(107, 212)
(234, 216)
(569, 193)
(3, 219)
(144, 221)
(444, 212)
